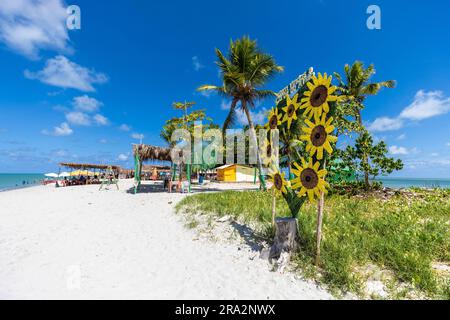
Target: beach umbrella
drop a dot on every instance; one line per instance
(64, 174)
(81, 173)
(51, 175)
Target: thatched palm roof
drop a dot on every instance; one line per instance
(84, 166)
(147, 152)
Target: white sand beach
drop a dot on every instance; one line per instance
(81, 243)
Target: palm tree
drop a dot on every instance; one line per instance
(244, 71)
(356, 88)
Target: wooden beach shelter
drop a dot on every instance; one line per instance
(144, 152)
(89, 169)
(236, 173)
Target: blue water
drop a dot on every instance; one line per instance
(19, 180)
(397, 183)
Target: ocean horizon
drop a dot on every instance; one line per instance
(10, 181)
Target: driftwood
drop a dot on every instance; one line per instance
(284, 244)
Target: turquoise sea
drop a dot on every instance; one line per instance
(19, 180)
(397, 183)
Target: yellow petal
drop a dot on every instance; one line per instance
(319, 153)
(304, 137)
(332, 138)
(309, 123)
(316, 166)
(329, 121)
(327, 147)
(329, 129)
(311, 195)
(303, 163)
(322, 173)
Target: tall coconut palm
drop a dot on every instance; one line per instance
(357, 87)
(244, 71)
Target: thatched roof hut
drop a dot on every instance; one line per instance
(147, 152)
(87, 166)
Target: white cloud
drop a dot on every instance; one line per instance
(258, 117)
(224, 105)
(63, 130)
(385, 124)
(196, 63)
(78, 118)
(101, 120)
(124, 127)
(426, 105)
(448, 144)
(435, 154)
(123, 157)
(137, 136)
(61, 153)
(398, 150)
(103, 141)
(401, 137)
(205, 93)
(86, 103)
(28, 26)
(61, 72)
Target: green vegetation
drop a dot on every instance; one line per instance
(356, 88)
(403, 236)
(377, 162)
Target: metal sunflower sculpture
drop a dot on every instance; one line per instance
(274, 119)
(306, 161)
(280, 184)
(269, 156)
(318, 136)
(316, 99)
(290, 111)
(309, 179)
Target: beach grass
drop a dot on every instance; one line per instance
(398, 241)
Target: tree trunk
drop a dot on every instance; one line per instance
(255, 143)
(365, 156)
(285, 242)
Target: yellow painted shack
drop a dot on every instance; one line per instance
(236, 173)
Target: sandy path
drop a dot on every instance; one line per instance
(80, 243)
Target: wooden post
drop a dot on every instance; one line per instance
(320, 206)
(284, 243)
(274, 203)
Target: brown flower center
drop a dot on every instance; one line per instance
(318, 136)
(269, 150)
(290, 110)
(273, 122)
(278, 181)
(319, 96)
(309, 178)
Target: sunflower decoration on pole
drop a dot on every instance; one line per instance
(279, 186)
(311, 108)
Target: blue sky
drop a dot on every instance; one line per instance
(87, 95)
